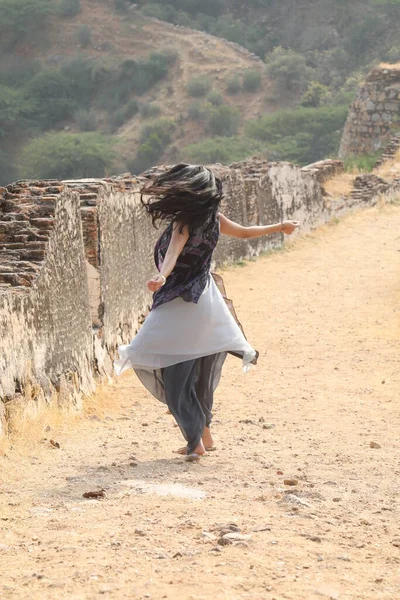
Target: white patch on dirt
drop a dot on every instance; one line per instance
(167, 489)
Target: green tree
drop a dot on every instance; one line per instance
(224, 120)
(69, 8)
(84, 36)
(289, 69)
(52, 96)
(315, 94)
(8, 171)
(21, 16)
(233, 85)
(303, 135)
(66, 156)
(252, 79)
(154, 139)
(198, 87)
(225, 150)
(13, 108)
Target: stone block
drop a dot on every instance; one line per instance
(392, 107)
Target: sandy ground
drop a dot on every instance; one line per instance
(325, 317)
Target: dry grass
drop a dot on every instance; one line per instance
(390, 169)
(31, 432)
(341, 184)
(389, 66)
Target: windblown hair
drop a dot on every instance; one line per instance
(186, 194)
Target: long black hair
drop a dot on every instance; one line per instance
(186, 194)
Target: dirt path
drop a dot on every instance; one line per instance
(325, 317)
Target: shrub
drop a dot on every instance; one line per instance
(198, 86)
(67, 156)
(12, 109)
(252, 79)
(69, 8)
(193, 7)
(149, 109)
(86, 120)
(289, 69)
(52, 96)
(170, 55)
(140, 76)
(121, 6)
(20, 16)
(393, 55)
(215, 98)
(363, 162)
(197, 111)
(303, 135)
(163, 128)
(154, 139)
(17, 70)
(121, 115)
(159, 11)
(223, 150)
(81, 75)
(233, 85)
(224, 121)
(364, 33)
(84, 36)
(315, 94)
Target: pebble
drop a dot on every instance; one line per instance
(94, 418)
(374, 445)
(232, 538)
(140, 532)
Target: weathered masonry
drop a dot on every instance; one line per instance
(375, 113)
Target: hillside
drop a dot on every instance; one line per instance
(115, 41)
(89, 87)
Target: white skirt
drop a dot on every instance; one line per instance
(178, 331)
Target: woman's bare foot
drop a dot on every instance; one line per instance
(197, 453)
(199, 450)
(207, 440)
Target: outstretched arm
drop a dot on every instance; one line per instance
(176, 245)
(233, 229)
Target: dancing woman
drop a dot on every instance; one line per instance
(179, 352)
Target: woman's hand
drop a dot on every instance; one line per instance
(289, 226)
(156, 282)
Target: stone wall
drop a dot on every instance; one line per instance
(75, 256)
(374, 114)
(46, 340)
(390, 151)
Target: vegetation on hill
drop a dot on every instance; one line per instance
(77, 103)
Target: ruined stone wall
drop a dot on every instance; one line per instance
(375, 113)
(75, 256)
(46, 339)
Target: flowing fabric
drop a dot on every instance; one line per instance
(179, 353)
(179, 331)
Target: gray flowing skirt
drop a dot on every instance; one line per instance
(179, 352)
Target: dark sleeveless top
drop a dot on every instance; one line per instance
(190, 275)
